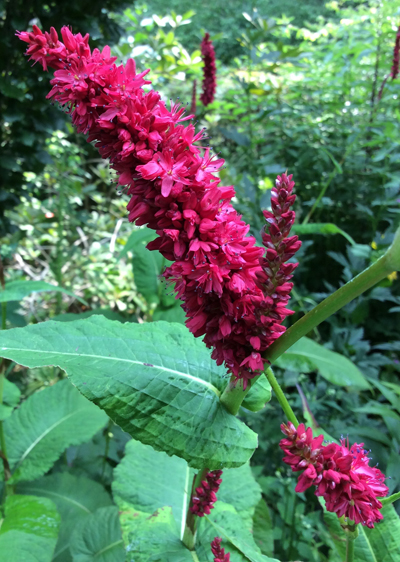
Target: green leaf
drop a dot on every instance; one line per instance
(381, 544)
(75, 497)
(321, 228)
(147, 480)
(11, 397)
(172, 314)
(263, 531)
(147, 266)
(18, 290)
(155, 380)
(99, 539)
(153, 538)
(45, 425)
(225, 522)
(137, 237)
(259, 395)
(307, 355)
(29, 530)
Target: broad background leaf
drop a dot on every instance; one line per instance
(29, 530)
(45, 425)
(321, 228)
(75, 497)
(307, 355)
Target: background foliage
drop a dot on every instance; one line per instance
(297, 89)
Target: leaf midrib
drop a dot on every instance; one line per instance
(40, 492)
(130, 361)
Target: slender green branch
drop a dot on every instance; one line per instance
(3, 315)
(2, 440)
(349, 548)
(281, 397)
(189, 535)
(390, 499)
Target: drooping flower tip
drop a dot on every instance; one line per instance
(209, 70)
(218, 551)
(230, 297)
(340, 473)
(205, 495)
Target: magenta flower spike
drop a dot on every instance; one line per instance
(232, 295)
(340, 473)
(396, 56)
(219, 552)
(209, 70)
(206, 495)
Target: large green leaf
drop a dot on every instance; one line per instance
(155, 380)
(381, 544)
(11, 397)
(29, 530)
(263, 530)
(99, 539)
(45, 425)
(153, 538)
(18, 290)
(146, 480)
(224, 521)
(321, 228)
(307, 355)
(75, 497)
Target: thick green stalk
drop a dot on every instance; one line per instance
(390, 499)
(189, 534)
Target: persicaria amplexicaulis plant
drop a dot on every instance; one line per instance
(234, 293)
(396, 56)
(209, 70)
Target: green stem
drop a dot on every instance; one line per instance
(281, 397)
(2, 440)
(332, 175)
(390, 499)
(349, 548)
(189, 535)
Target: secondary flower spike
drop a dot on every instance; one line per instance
(209, 70)
(205, 495)
(234, 301)
(219, 552)
(396, 56)
(340, 473)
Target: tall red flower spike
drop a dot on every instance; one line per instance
(174, 190)
(396, 56)
(340, 473)
(209, 70)
(205, 496)
(219, 552)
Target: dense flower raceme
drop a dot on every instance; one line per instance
(341, 474)
(219, 552)
(209, 70)
(206, 495)
(231, 297)
(396, 56)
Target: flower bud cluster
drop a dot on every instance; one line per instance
(340, 473)
(219, 552)
(206, 495)
(235, 302)
(209, 70)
